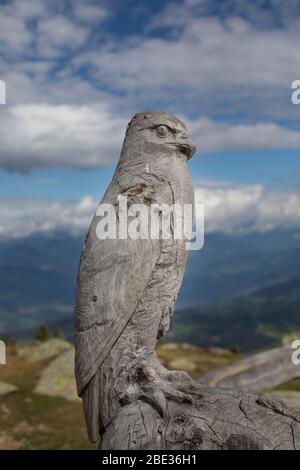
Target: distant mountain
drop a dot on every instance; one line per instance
(233, 264)
(38, 274)
(37, 280)
(254, 321)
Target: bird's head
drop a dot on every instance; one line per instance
(159, 134)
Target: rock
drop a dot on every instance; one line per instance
(221, 351)
(51, 348)
(196, 361)
(169, 346)
(182, 363)
(7, 389)
(256, 373)
(58, 380)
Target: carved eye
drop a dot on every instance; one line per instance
(163, 131)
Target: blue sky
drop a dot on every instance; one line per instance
(76, 71)
(273, 169)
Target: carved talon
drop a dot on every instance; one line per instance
(173, 394)
(149, 373)
(179, 376)
(176, 377)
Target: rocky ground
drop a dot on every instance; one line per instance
(30, 419)
(39, 408)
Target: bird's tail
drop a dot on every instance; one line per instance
(91, 408)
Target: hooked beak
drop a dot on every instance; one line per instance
(188, 149)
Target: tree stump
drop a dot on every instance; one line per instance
(205, 418)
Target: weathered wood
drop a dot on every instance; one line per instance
(256, 373)
(125, 297)
(215, 419)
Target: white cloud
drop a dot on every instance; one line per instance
(205, 56)
(29, 9)
(211, 136)
(228, 208)
(49, 136)
(37, 43)
(14, 36)
(57, 34)
(238, 209)
(89, 12)
(41, 136)
(47, 28)
(203, 65)
(24, 217)
(275, 12)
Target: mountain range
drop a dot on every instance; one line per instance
(237, 286)
(249, 322)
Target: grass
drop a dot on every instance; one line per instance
(290, 390)
(195, 361)
(31, 421)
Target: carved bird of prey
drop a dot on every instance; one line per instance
(127, 288)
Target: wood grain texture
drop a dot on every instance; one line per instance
(126, 295)
(208, 419)
(256, 373)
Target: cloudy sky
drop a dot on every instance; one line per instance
(76, 71)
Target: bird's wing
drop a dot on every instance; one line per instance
(113, 276)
